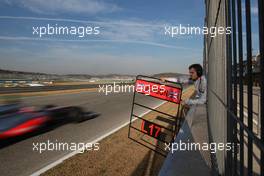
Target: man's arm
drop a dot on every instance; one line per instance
(202, 94)
(200, 100)
(168, 79)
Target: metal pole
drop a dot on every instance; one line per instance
(261, 47)
(250, 83)
(228, 164)
(241, 87)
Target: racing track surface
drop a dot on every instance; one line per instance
(8, 90)
(20, 159)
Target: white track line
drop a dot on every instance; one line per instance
(55, 163)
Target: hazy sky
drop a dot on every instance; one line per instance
(131, 39)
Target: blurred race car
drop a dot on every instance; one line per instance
(9, 108)
(16, 120)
